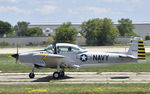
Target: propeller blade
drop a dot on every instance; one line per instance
(17, 49)
(16, 55)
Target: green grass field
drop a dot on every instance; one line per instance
(8, 65)
(76, 89)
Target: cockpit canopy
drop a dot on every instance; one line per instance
(64, 47)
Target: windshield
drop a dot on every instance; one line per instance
(81, 48)
(49, 49)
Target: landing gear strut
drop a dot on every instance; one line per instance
(59, 73)
(31, 75)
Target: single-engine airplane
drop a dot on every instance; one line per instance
(67, 55)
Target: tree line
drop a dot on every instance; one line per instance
(19, 30)
(96, 31)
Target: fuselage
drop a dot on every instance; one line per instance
(84, 59)
(68, 55)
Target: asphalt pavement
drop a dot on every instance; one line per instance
(76, 78)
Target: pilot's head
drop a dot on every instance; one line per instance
(69, 49)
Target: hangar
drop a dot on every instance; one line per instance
(50, 28)
(141, 28)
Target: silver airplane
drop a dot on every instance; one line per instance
(67, 55)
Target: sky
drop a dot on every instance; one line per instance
(75, 11)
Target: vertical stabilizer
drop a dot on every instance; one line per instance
(137, 49)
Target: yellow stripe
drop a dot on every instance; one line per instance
(141, 50)
(49, 57)
(140, 44)
(10, 56)
(141, 53)
(140, 40)
(46, 56)
(43, 55)
(141, 47)
(141, 57)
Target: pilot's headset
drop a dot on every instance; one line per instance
(69, 49)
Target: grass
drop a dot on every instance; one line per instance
(8, 65)
(76, 89)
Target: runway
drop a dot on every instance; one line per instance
(76, 78)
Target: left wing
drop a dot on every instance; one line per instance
(52, 60)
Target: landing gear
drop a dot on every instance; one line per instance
(59, 73)
(56, 75)
(32, 75)
(62, 74)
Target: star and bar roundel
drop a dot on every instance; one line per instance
(83, 57)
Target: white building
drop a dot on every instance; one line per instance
(141, 28)
(50, 28)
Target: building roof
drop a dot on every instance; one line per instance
(52, 23)
(31, 24)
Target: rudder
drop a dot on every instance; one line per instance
(137, 49)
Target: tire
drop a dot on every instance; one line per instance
(31, 75)
(56, 75)
(62, 74)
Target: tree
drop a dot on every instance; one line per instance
(65, 33)
(34, 32)
(21, 28)
(49, 40)
(126, 27)
(5, 28)
(99, 31)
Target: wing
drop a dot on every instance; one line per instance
(52, 60)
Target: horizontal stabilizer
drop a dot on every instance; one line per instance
(127, 56)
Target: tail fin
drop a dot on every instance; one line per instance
(137, 49)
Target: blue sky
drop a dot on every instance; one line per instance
(75, 11)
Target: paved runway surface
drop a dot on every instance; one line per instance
(76, 78)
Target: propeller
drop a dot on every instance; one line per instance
(16, 55)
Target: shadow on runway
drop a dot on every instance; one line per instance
(49, 78)
(118, 77)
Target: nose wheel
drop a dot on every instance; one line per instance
(32, 75)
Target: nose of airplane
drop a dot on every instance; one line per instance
(16, 56)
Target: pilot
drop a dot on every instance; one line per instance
(69, 49)
(55, 50)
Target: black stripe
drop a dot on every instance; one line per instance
(140, 41)
(141, 56)
(141, 49)
(141, 45)
(141, 52)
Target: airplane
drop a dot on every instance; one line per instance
(65, 55)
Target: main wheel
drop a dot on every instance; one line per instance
(31, 75)
(56, 75)
(62, 73)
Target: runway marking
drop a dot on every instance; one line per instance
(76, 78)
